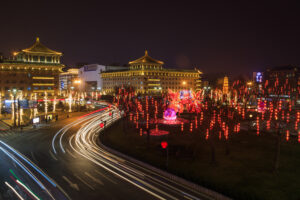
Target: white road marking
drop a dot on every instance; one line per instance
(72, 185)
(94, 179)
(101, 174)
(83, 181)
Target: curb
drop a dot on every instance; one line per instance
(209, 193)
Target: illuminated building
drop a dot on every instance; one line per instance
(32, 70)
(225, 85)
(283, 72)
(288, 76)
(147, 76)
(66, 79)
(90, 76)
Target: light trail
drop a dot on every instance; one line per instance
(27, 171)
(26, 167)
(28, 190)
(13, 189)
(30, 163)
(84, 143)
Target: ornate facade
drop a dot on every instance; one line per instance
(147, 76)
(32, 70)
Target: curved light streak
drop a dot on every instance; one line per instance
(84, 143)
(30, 163)
(13, 189)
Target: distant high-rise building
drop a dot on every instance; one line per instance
(90, 76)
(67, 79)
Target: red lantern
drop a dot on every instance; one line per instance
(287, 135)
(181, 126)
(109, 113)
(101, 125)
(164, 144)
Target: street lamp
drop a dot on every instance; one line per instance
(77, 82)
(14, 92)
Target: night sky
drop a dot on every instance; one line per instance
(215, 37)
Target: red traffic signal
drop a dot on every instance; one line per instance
(164, 144)
(101, 125)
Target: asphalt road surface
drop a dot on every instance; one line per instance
(68, 152)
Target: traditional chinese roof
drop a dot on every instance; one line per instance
(146, 59)
(39, 48)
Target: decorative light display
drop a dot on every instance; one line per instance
(0, 104)
(46, 103)
(35, 110)
(225, 85)
(287, 137)
(70, 102)
(54, 104)
(164, 144)
(170, 114)
(101, 125)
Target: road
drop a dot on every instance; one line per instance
(68, 152)
(22, 179)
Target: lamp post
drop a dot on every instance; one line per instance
(14, 91)
(78, 83)
(0, 105)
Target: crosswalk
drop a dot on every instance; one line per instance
(5, 133)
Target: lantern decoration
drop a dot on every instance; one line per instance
(287, 135)
(181, 126)
(164, 144)
(101, 125)
(282, 115)
(268, 125)
(226, 133)
(191, 127)
(207, 134)
(141, 131)
(201, 118)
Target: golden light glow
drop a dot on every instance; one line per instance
(49, 91)
(77, 81)
(183, 82)
(153, 84)
(249, 83)
(42, 78)
(43, 84)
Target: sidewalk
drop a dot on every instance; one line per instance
(8, 130)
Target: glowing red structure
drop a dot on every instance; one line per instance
(170, 114)
(164, 144)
